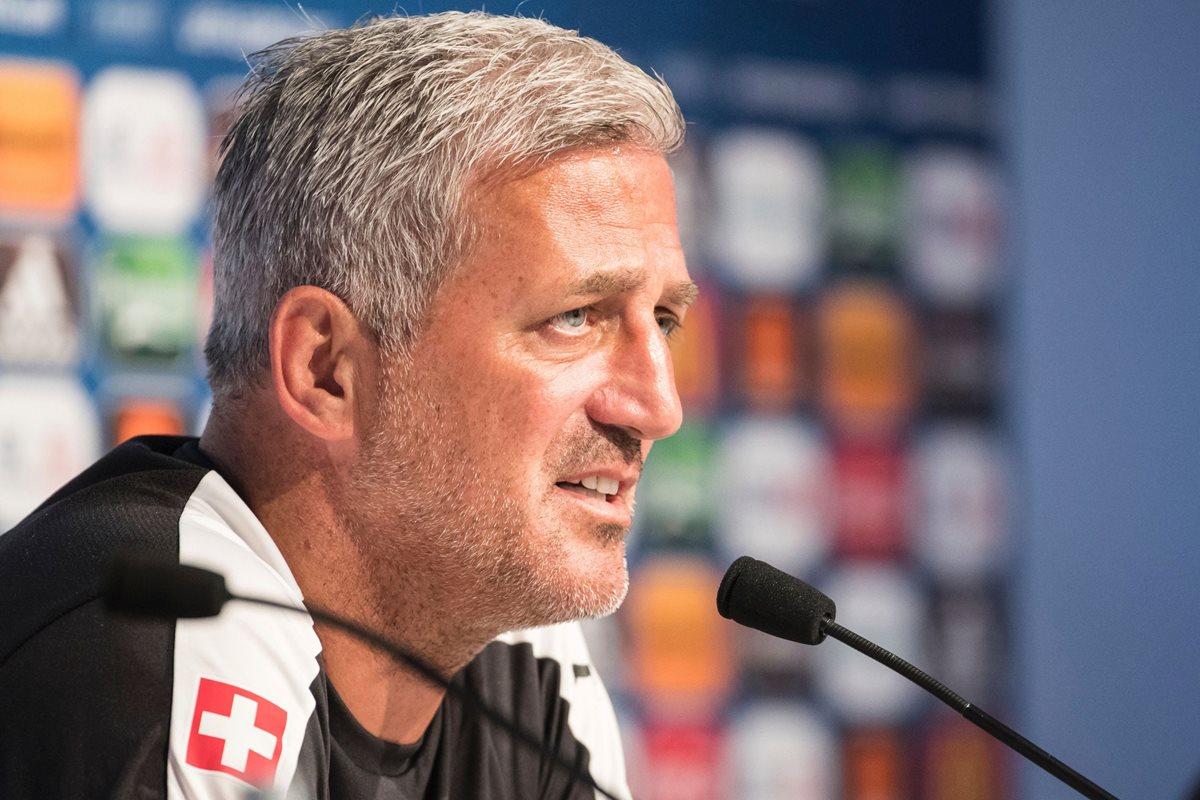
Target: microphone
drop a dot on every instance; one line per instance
(757, 595)
(167, 590)
(164, 590)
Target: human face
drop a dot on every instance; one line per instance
(544, 363)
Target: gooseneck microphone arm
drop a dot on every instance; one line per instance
(168, 590)
(971, 712)
(755, 594)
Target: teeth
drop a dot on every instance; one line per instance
(596, 483)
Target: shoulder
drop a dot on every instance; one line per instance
(55, 560)
(72, 678)
(163, 686)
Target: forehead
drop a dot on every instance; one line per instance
(583, 213)
(608, 187)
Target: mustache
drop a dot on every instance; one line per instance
(604, 443)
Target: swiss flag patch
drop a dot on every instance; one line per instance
(236, 732)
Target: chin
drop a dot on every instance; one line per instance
(576, 585)
(615, 598)
(603, 570)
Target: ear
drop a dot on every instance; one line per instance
(320, 356)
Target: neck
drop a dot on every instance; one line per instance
(406, 602)
(386, 698)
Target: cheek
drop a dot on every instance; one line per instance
(515, 412)
(531, 396)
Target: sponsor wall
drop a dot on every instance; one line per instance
(842, 374)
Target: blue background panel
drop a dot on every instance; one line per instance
(1103, 114)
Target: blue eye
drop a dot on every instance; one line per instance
(669, 326)
(575, 318)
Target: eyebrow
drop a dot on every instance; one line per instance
(624, 280)
(684, 294)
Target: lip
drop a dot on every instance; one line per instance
(626, 478)
(615, 511)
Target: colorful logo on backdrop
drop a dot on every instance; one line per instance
(967, 640)
(961, 762)
(960, 363)
(49, 432)
(875, 763)
(769, 206)
(773, 358)
(681, 662)
(39, 302)
(146, 300)
(39, 121)
(676, 496)
(872, 499)
(781, 750)
(683, 760)
(145, 156)
(868, 342)
(773, 481)
(952, 211)
(882, 603)
(961, 498)
(865, 217)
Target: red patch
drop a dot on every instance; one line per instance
(236, 732)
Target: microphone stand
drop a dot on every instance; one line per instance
(759, 596)
(969, 711)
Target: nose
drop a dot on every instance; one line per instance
(639, 394)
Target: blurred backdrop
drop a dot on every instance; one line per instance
(946, 364)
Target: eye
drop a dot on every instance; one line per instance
(669, 324)
(572, 320)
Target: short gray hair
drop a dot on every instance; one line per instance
(353, 154)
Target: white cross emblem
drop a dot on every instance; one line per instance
(239, 732)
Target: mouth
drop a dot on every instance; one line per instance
(602, 497)
(594, 487)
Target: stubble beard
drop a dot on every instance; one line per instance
(453, 560)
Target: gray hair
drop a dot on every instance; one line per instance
(354, 152)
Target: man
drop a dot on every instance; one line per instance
(447, 267)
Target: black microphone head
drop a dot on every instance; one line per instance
(759, 596)
(164, 589)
